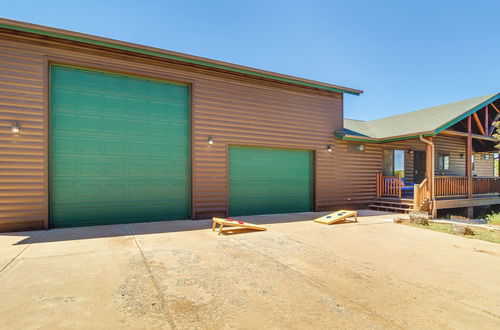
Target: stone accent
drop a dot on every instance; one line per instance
(419, 218)
(462, 230)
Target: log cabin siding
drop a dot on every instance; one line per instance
(23, 202)
(348, 178)
(483, 167)
(234, 110)
(455, 147)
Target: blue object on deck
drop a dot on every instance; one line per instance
(405, 186)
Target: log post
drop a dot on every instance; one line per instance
(468, 158)
(430, 173)
(486, 121)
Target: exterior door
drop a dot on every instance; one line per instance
(269, 180)
(419, 166)
(119, 149)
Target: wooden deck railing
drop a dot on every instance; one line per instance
(450, 186)
(388, 185)
(444, 186)
(485, 185)
(421, 195)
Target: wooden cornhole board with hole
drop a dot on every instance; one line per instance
(234, 223)
(337, 216)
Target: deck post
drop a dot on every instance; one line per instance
(470, 212)
(468, 158)
(486, 121)
(430, 173)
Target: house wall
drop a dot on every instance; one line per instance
(451, 145)
(233, 109)
(454, 146)
(355, 171)
(483, 167)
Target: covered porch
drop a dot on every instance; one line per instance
(461, 174)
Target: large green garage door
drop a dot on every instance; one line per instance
(119, 149)
(267, 180)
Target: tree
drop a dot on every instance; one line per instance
(497, 135)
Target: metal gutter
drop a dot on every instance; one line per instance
(109, 43)
(347, 137)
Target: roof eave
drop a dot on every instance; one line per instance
(151, 51)
(348, 137)
(467, 114)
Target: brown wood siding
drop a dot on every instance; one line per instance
(455, 147)
(483, 167)
(23, 202)
(348, 178)
(232, 109)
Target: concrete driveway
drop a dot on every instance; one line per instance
(296, 275)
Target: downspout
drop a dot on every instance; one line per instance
(432, 178)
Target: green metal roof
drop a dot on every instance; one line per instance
(427, 121)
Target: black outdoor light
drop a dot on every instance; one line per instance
(329, 148)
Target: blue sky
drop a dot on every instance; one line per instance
(405, 55)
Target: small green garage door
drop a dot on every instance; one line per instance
(267, 180)
(119, 149)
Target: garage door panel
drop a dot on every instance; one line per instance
(117, 153)
(269, 180)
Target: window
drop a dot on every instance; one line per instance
(356, 147)
(443, 162)
(388, 163)
(394, 163)
(399, 163)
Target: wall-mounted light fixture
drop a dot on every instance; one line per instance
(329, 148)
(16, 127)
(210, 140)
(486, 156)
(462, 156)
(410, 151)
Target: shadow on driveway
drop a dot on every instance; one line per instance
(145, 228)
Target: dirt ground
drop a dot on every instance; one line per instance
(296, 275)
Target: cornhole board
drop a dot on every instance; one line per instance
(337, 216)
(234, 223)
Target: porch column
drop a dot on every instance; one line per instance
(429, 173)
(429, 166)
(468, 158)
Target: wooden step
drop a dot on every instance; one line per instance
(395, 199)
(389, 208)
(382, 203)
